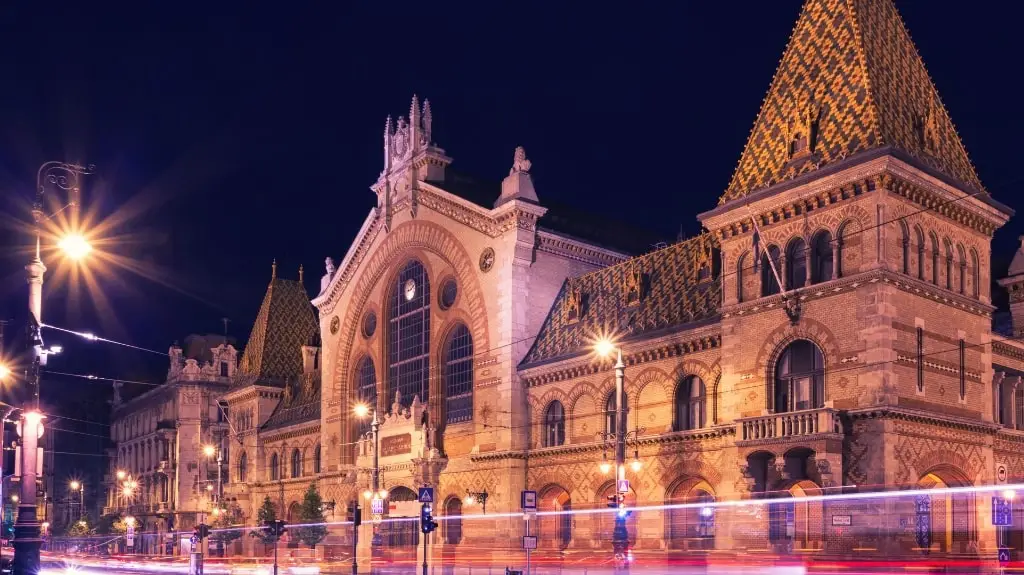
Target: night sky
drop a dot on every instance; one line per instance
(226, 136)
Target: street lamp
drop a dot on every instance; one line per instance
(65, 177)
(78, 486)
(605, 348)
(361, 410)
(474, 496)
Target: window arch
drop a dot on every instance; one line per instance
(769, 283)
(691, 404)
(962, 267)
(316, 459)
(554, 424)
(821, 255)
(275, 469)
(799, 377)
(610, 415)
(409, 334)
(458, 375)
(453, 521)
(919, 233)
(296, 463)
(367, 386)
(949, 263)
(741, 275)
(840, 248)
(975, 274)
(935, 257)
(905, 247)
(243, 467)
(796, 264)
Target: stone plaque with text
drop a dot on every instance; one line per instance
(396, 445)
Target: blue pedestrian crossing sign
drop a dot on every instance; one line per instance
(426, 495)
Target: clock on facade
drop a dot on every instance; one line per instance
(487, 260)
(410, 289)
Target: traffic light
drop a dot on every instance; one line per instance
(613, 501)
(202, 531)
(277, 528)
(427, 523)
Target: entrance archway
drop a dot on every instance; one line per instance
(945, 521)
(691, 528)
(555, 530)
(400, 538)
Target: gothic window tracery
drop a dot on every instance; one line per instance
(296, 463)
(821, 255)
(409, 335)
(275, 469)
(796, 264)
(769, 265)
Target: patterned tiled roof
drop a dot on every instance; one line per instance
(852, 80)
(286, 322)
(300, 403)
(667, 288)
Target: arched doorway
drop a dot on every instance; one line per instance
(400, 538)
(944, 522)
(691, 528)
(795, 524)
(555, 530)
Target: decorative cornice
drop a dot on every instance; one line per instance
(900, 281)
(919, 416)
(1008, 350)
(289, 432)
(559, 245)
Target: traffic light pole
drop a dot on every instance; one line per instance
(425, 536)
(356, 521)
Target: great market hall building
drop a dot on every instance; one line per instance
(831, 332)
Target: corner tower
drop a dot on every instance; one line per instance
(855, 231)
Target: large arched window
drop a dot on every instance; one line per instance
(367, 386)
(821, 255)
(554, 424)
(275, 469)
(453, 521)
(796, 264)
(296, 463)
(243, 468)
(799, 377)
(610, 415)
(316, 459)
(409, 335)
(691, 404)
(769, 265)
(458, 375)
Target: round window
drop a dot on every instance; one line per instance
(448, 292)
(369, 324)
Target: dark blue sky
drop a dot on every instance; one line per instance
(229, 134)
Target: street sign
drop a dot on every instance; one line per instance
(377, 517)
(529, 542)
(529, 500)
(1002, 512)
(377, 506)
(1001, 474)
(130, 536)
(426, 495)
(1004, 555)
(623, 486)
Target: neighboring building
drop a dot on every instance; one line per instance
(158, 443)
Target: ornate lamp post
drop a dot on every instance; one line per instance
(27, 540)
(375, 493)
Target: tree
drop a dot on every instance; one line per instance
(110, 524)
(79, 529)
(228, 525)
(266, 513)
(311, 515)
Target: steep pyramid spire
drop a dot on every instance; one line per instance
(284, 324)
(850, 80)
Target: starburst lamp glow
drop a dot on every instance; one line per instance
(75, 246)
(604, 347)
(361, 410)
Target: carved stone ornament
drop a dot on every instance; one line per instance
(487, 260)
(573, 305)
(930, 129)
(335, 325)
(519, 162)
(401, 139)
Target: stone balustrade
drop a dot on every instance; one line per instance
(785, 425)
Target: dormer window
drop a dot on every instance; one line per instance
(223, 369)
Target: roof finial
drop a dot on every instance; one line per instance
(300, 273)
(428, 119)
(273, 269)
